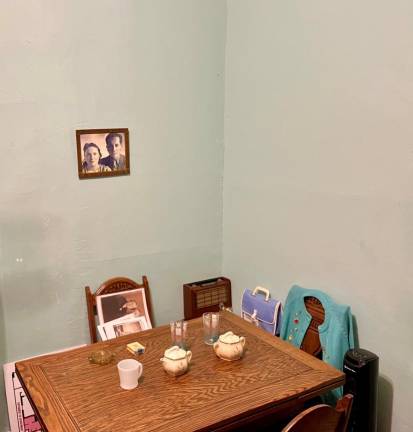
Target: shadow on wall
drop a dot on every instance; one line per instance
(355, 332)
(384, 404)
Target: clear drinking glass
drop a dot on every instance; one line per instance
(179, 333)
(211, 327)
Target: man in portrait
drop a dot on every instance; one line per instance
(116, 160)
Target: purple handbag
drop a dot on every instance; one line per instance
(262, 310)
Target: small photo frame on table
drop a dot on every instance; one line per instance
(102, 152)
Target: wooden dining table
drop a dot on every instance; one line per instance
(273, 378)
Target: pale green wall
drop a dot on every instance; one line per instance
(318, 166)
(155, 67)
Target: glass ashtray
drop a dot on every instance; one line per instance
(101, 357)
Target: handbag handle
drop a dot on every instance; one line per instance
(263, 290)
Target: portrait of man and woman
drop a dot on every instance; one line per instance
(102, 152)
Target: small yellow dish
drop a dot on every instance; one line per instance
(101, 357)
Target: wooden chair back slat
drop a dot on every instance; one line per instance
(311, 341)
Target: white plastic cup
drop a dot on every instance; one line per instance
(130, 371)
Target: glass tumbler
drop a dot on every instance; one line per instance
(211, 327)
(179, 333)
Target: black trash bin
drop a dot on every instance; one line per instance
(361, 368)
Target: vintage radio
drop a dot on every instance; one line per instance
(206, 296)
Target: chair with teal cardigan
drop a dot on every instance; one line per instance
(303, 318)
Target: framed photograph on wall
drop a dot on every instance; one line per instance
(102, 152)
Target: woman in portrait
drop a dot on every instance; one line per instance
(91, 162)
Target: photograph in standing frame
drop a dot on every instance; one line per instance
(123, 305)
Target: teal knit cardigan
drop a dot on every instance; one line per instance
(336, 332)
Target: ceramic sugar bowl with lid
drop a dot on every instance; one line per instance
(176, 361)
(229, 346)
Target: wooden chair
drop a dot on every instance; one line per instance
(113, 285)
(323, 418)
(311, 342)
